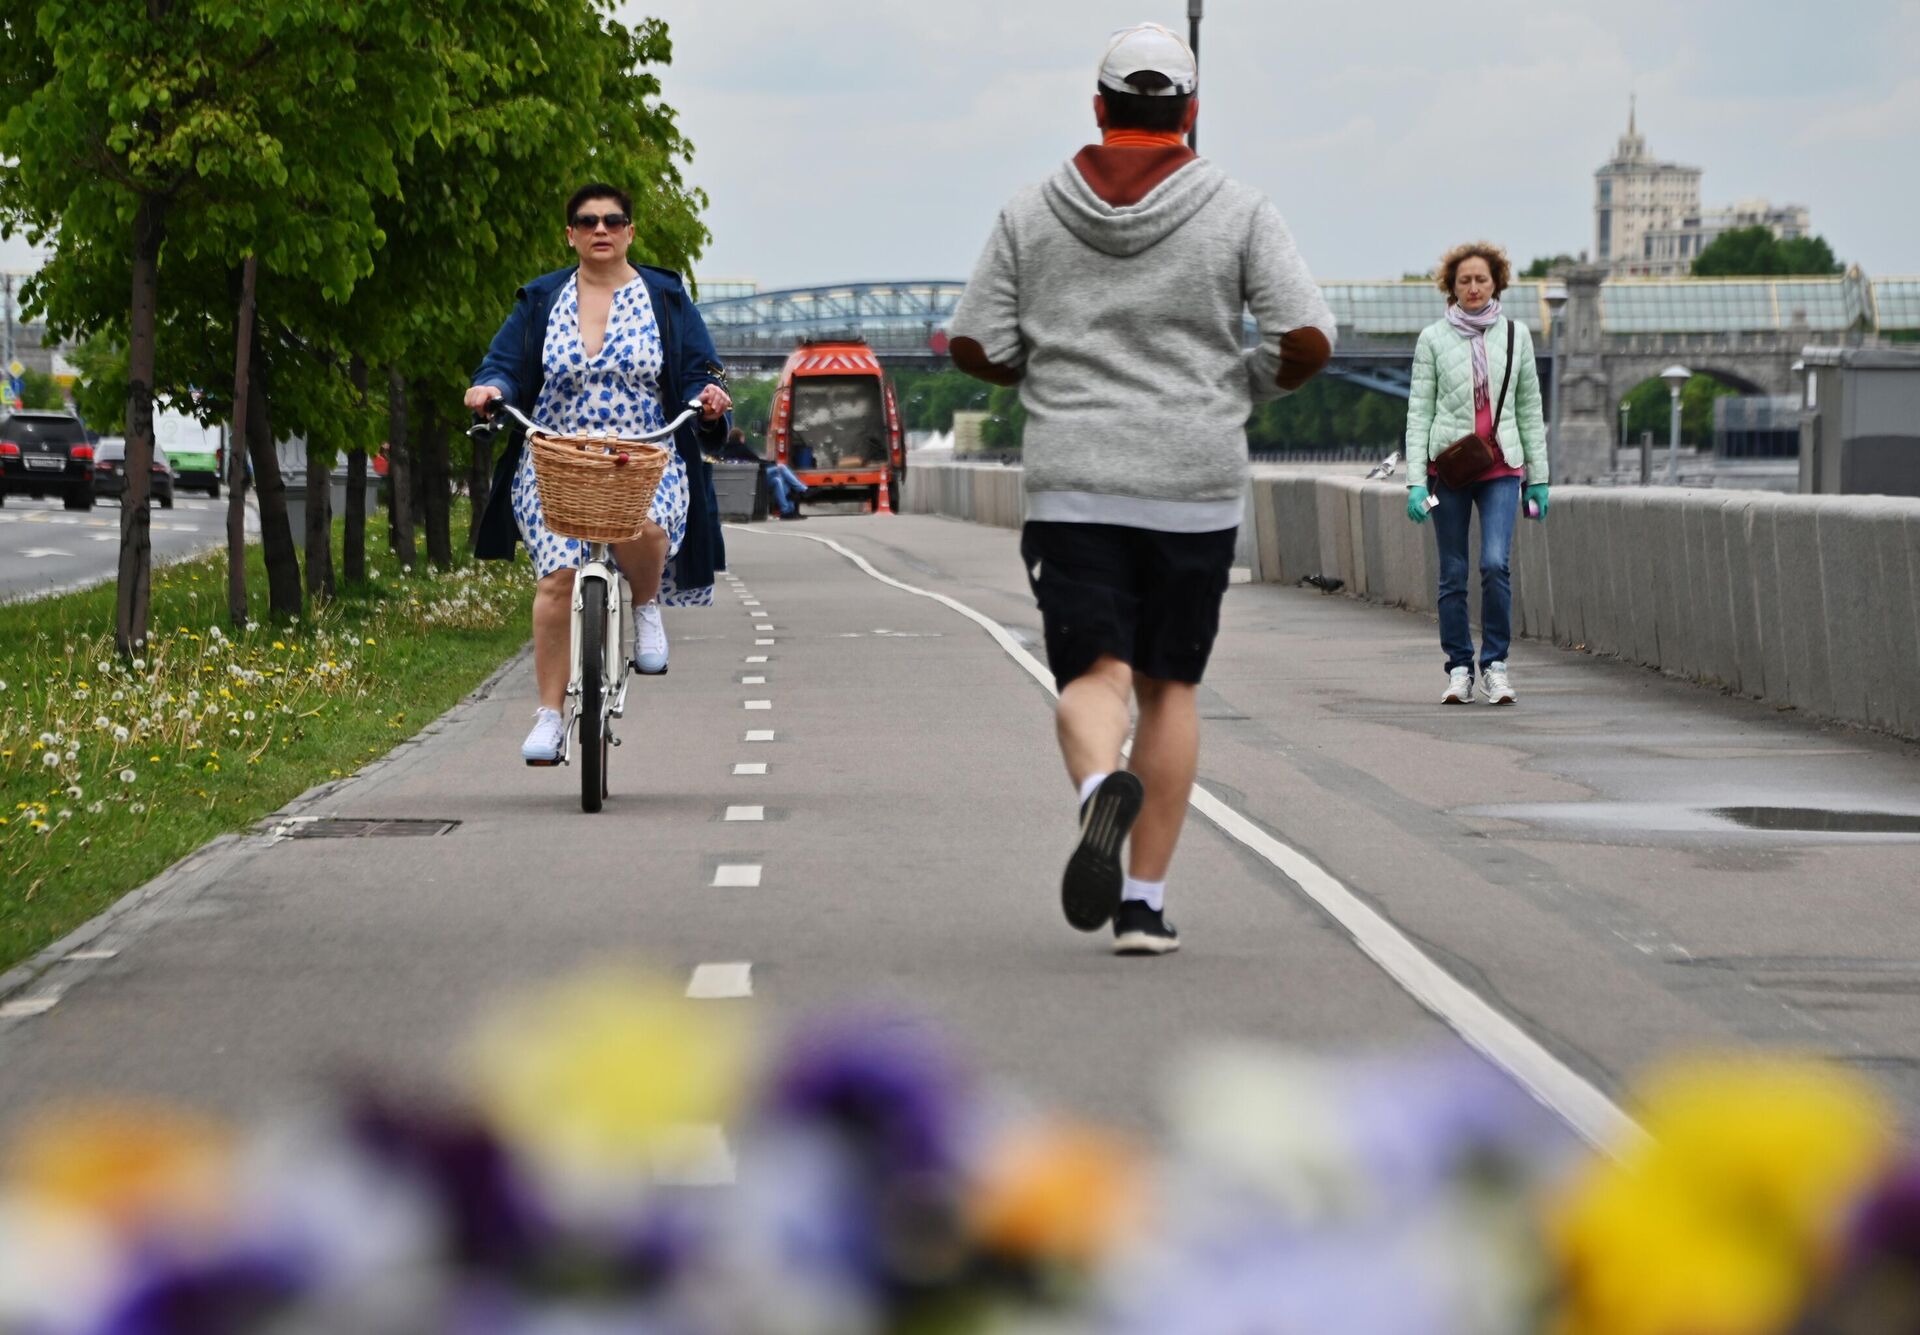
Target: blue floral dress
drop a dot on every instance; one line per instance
(616, 391)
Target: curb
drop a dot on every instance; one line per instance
(52, 972)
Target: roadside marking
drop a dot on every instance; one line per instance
(759, 704)
(759, 734)
(93, 955)
(1591, 1114)
(746, 813)
(106, 537)
(763, 644)
(736, 876)
(750, 767)
(749, 602)
(756, 614)
(756, 658)
(720, 982)
(29, 1006)
(36, 553)
(753, 681)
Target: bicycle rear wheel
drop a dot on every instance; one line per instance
(593, 690)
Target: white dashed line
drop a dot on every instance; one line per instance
(753, 681)
(763, 644)
(759, 704)
(750, 767)
(757, 614)
(736, 876)
(750, 603)
(94, 955)
(756, 658)
(746, 813)
(29, 1006)
(760, 734)
(720, 982)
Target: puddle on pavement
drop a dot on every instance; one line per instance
(1815, 820)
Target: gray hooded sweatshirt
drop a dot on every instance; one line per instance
(1127, 323)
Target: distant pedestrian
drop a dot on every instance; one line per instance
(1114, 295)
(1474, 436)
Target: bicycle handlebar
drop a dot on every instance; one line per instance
(494, 407)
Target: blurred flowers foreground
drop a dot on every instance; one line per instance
(865, 1182)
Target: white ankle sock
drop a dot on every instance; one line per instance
(1151, 893)
(1086, 789)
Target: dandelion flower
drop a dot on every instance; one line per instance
(65, 815)
(127, 776)
(3, 686)
(96, 807)
(137, 808)
(120, 736)
(51, 759)
(102, 721)
(249, 716)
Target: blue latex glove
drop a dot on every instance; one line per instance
(1417, 504)
(1537, 498)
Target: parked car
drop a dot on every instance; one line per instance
(110, 472)
(197, 452)
(46, 454)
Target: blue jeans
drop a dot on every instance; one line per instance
(1499, 504)
(785, 487)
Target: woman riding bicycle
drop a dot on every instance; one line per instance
(603, 348)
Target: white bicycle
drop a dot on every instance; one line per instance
(598, 666)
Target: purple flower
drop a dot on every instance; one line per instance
(1888, 1227)
(222, 1295)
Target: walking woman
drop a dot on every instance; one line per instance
(1474, 436)
(605, 347)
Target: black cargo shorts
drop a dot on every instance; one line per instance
(1150, 599)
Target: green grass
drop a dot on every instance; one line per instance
(211, 728)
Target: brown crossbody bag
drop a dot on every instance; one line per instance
(1462, 463)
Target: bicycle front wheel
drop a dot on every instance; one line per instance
(593, 692)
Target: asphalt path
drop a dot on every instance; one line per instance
(46, 548)
(850, 788)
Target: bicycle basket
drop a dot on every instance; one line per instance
(596, 488)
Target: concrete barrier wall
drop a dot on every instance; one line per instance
(1806, 601)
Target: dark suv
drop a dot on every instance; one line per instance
(46, 454)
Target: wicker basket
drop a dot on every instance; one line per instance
(595, 488)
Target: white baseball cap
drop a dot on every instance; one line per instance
(1149, 48)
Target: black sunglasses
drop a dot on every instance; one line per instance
(588, 222)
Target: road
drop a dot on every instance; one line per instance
(45, 547)
(1550, 882)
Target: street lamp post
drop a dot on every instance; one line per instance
(1193, 40)
(1676, 378)
(1556, 299)
(1623, 431)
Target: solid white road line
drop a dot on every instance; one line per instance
(759, 734)
(750, 767)
(746, 813)
(1595, 1117)
(736, 876)
(720, 982)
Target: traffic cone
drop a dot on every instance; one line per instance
(886, 494)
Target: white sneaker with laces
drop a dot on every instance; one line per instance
(649, 641)
(1495, 684)
(543, 744)
(1459, 687)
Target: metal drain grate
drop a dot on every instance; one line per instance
(345, 827)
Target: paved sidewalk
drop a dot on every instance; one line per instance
(1557, 858)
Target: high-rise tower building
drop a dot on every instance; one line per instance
(1634, 197)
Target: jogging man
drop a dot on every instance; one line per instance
(1114, 295)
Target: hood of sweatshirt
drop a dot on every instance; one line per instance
(1131, 228)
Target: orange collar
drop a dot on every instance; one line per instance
(1142, 139)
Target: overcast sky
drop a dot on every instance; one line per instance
(875, 139)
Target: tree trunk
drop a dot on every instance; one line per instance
(319, 536)
(399, 469)
(353, 542)
(236, 450)
(479, 485)
(270, 494)
(134, 591)
(433, 446)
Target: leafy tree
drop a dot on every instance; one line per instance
(1755, 251)
(753, 405)
(1542, 265)
(40, 390)
(100, 392)
(1649, 408)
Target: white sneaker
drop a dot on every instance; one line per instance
(1459, 687)
(544, 743)
(1494, 683)
(649, 641)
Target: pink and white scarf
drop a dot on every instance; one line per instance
(1473, 327)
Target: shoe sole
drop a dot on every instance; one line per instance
(542, 764)
(1145, 943)
(1090, 889)
(639, 671)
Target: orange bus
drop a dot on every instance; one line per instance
(835, 422)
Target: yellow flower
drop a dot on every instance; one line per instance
(603, 1073)
(1065, 1194)
(1723, 1220)
(122, 1164)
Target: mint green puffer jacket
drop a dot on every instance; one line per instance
(1440, 403)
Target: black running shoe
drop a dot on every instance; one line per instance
(1090, 890)
(1139, 930)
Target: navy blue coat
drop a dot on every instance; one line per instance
(513, 365)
